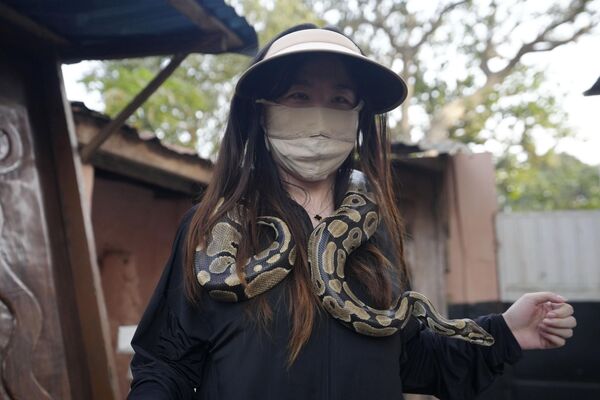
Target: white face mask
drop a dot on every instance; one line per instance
(310, 142)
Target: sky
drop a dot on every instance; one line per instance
(571, 69)
(574, 68)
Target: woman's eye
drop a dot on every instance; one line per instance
(297, 96)
(342, 102)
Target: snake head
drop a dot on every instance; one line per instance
(477, 334)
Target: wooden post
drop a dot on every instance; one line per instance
(471, 208)
(82, 269)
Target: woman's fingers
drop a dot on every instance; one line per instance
(558, 324)
(568, 322)
(560, 310)
(553, 340)
(560, 332)
(541, 297)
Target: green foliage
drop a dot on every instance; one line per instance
(518, 105)
(553, 181)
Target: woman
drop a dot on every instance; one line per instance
(288, 280)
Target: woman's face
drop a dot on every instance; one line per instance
(322, 81)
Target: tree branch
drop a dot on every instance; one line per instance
(379, 23)
(486, 55)
(453, 111)
(543, 43)
(435, 24)
(574, 9)
(552, 44)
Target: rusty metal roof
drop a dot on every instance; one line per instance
(79, 109)
(141, 155)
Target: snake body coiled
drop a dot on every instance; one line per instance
(329, 246)
(215, 266)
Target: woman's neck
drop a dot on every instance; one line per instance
(316, 197)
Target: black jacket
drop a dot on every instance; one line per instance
(216, 352)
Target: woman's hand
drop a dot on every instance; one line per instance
(542, 320)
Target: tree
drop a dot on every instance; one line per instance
(484, 42)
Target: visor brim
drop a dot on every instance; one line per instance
(381, 87)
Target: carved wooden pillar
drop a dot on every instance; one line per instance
(30, 333)
(54, 339)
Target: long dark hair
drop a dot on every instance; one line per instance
(246, 174)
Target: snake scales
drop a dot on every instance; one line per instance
(330, 243)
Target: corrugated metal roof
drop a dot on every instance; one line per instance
(141, 155)
(94, 29)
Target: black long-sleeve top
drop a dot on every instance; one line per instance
(217, 352)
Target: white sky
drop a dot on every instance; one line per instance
(574, 68)
(571, 69)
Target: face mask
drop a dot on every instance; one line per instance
(310, 142)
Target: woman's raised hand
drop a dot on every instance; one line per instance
(541, 320)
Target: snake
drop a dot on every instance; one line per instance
(330, 243)
(216, 264)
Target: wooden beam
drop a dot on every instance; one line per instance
(77, 234)
(153, 176)
(146, 45)
(88, 150)
(9, 14)
(195, 13)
